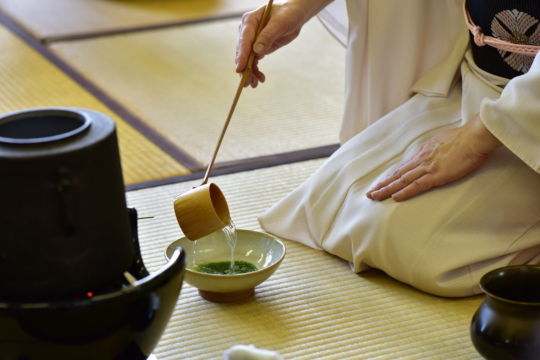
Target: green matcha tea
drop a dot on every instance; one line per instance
(224, 267)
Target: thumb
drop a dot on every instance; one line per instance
(259, 48)
(268, 35)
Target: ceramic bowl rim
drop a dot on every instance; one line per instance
(492, 273)
(251, 273)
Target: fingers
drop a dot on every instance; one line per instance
(256, 72)
(246, 36)
(418, 186)
(392, 177)
(397, 181)
(444, 158)
(277, 25)
(255, 76)
(254, 79)
(260, 75)
(268, 36)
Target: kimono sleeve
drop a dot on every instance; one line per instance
(514, 118)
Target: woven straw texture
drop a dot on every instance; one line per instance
(182, 82)
(29, 81)
(314, 306)
(57, 19)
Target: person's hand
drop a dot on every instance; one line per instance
(444, 158)
(284, 24)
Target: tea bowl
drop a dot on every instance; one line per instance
(263, 250)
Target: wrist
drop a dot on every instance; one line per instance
(484, 141)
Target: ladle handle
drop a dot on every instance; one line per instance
(245, 74)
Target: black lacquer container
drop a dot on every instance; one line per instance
(506, 326)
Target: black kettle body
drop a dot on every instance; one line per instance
(64, 228)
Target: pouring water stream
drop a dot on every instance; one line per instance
(230, 231)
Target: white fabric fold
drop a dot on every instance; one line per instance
(514, 118)
(445, 239)
(334, 18)
(396, 48)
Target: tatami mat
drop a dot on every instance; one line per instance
(29, 81)
(181, 81)
(313, 307)
(57, 19)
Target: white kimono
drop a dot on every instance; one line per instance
(410, 76)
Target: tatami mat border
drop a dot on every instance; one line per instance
(236, 166)
(97, 34)
(197, 169)
(314, 306)
(168, 147)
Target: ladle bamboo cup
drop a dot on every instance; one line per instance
(203, 209)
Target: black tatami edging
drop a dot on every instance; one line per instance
(167, 146)
(136, 29)
(246, 165)
(196, 168)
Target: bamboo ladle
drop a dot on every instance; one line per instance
(203, 209)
